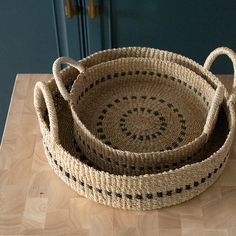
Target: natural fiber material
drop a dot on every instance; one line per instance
(144, 192)
(139, 113)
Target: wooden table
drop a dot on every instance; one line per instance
(34, 201)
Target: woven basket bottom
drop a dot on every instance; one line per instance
(143, 114)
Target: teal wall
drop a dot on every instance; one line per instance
(192, 28)
(27, 44)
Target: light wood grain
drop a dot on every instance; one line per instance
(34, 201)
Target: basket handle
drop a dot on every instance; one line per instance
(42, 90)
(214, 108)
(57, 75)
(232, 55)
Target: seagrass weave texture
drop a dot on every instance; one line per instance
(174, 183)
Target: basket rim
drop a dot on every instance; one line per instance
(164, 53)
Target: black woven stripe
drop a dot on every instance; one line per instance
(139, 196)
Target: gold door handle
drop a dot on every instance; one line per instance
(93, 9)
(71, 9)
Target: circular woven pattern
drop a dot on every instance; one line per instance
(143, 114)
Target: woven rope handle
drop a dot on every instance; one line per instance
(213, 111)
(232, 55)
(57, 75)
(41, 90)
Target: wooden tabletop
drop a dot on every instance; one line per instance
(34, 201)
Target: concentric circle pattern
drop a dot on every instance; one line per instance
(138, 112)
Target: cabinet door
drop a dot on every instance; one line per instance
(191, 28)
(69, 27)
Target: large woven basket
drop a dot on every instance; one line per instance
(143, 192)
(141, 114)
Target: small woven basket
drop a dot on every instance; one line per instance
(143, 192)
(139, 113)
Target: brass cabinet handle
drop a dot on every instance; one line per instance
(71, 9)
(93, 9)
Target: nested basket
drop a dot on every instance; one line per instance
(141, 114)
(143, 192)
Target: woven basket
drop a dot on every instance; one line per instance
(144, 192)
(141, 114)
